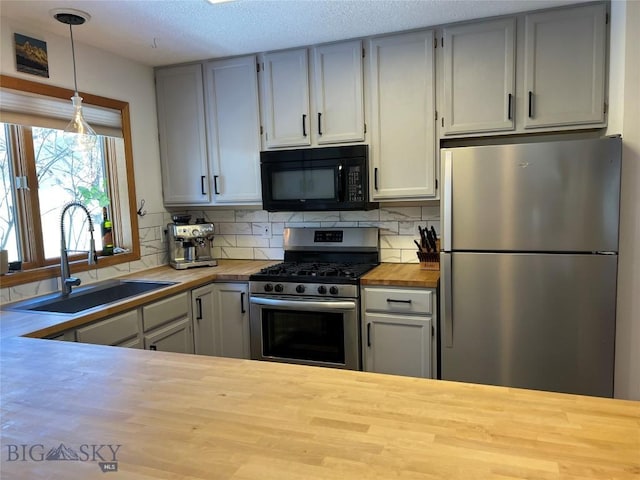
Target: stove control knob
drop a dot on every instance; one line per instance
(268, 287)
(300, 289)
(322, 289)
(279, 287)
(333, 290)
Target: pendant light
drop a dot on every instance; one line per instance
(78, 134)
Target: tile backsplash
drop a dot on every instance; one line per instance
(257, 234)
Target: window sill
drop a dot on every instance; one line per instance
(52, 271)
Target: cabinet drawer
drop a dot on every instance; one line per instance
(111, 331)
(164, 311)
(398, 300)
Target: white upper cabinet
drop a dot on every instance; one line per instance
(233, 121)
(479, 76)
(564, 78)
(401, 99)
(336, 94)
(338, 77)
(542, 71)
(181, 127)
(286, 98)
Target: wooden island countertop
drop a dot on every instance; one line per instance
(159, 415)
(177, 416)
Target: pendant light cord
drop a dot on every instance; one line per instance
(73, 57)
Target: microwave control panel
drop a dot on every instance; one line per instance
(354, 184)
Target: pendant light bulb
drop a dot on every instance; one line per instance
(78, 134)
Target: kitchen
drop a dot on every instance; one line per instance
(401, 219)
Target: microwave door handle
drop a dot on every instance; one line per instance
(340, 184)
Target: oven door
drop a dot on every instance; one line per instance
(308, 331)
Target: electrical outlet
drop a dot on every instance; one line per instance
(266, 231)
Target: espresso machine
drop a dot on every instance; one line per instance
(190, 245)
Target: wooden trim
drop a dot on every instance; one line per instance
(128, 153)
(23, 85)
(53, 271)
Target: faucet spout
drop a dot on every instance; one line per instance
(67, 282)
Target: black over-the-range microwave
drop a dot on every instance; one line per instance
(329, 178)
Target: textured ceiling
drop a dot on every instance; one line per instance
(163, 32)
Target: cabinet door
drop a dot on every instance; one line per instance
(112, 331)
(181, 127)
(203, 308)
(398, 345)
(232, 320)
(233, 123)
(286, 98)
(402, 116)
(339, 112)
(175, 337)
(165, 310)
(565, 66)
(479, 77)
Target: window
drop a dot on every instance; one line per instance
(39, 175)
(62, 176)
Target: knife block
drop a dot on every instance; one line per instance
(430, 260)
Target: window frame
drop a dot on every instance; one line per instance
(80, 264)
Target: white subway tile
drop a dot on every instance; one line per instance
(389, 255)
(252, 216)
(400, 213)
(237, 253)
(268, 253)
(251, 241)
(286, 217)
(360, 216)
(224, 241)
(321, 216)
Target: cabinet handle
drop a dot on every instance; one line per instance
(509, 108)
(199, 304)
(391, 300)
(530, 104)
(215, 185)
(304, 125)
(375, 178)
(242, 310)
(319, 123)
(202, 185)
(369, 334)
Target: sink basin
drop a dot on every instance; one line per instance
(91, 296)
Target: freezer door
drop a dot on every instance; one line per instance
(542, 321)
(552, 196)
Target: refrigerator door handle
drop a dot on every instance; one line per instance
(447, 299)
(447, 202)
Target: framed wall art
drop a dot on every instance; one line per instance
(31, 55)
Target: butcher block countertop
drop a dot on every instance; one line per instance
(158, 415)
(401, 275)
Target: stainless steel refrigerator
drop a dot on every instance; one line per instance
(529, 264)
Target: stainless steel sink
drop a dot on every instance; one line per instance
(85, 298)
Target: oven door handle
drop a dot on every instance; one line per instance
(304, 305)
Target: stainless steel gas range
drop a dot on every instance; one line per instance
(307, 309)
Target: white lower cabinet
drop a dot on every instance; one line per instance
(167, 325)
(202, 306)
(398, 331)
(120, 330)
(221, 320)
(174, 337)
(231, 319)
